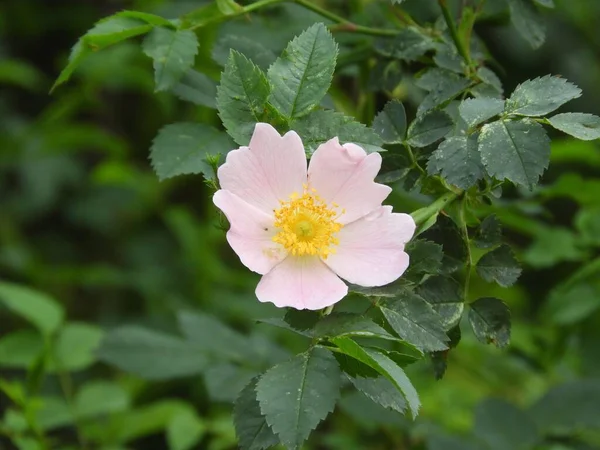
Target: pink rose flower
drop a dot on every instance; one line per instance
(304, 229)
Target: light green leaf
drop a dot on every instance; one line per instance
(429, 128)
(384, 366)
(458, 161)
(415, 321)
(241, 97)
(445, 296)
(489, 233)
(185, 430)
(224, 381)
(545, 3)
(552, 245)
(490, 320)
(322, 125)
(345, 324)
(99, 398)
(541, 96)
(499, 266)
(528, 21)
(572, 304)
(381, 391)
(137, 350)
(302, 74)
(173, 53)
(36, 307)
(114, 29)
(298, 394)
(20, 348)
(151, 19)
(75, 346)
(477, 110)
(587, 222)
(228, 7)
(390, 123)
(502, 426)
(77, 54)
(251, 428)
(580, 125)
(516, 150)
(185, 148)
(197, 88)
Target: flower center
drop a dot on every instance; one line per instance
(306, 225)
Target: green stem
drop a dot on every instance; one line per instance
(420, 216)
(453, 32)
(413, 160)
(465, 235)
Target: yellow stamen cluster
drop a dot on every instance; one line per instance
(307, 226)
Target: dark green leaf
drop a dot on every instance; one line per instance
(197, 88)
(303, 319)
(251, 49)
(322, 125)
(151, 354)
(241, 97)
(251, 428)
(502, 426)
(446, 233)
(383, 365)
(458, 161)
(296, 395)
(425, 256)
(445, 296)
(439, 360)
(541, 96)
(477, 110)
(34, 306)
(546, 3)
(345, 324)
(490, 319)
(224, 381)
(450, 86)
(409, 45)
(518, 151)
(381, 391)
(528, 21)
(443, 442)
(429, 128)
(415, 321)
(489, 233)
(587, 222)
(580, 125)
(390, 123)
(173, 53)
(302, 74)
(491, 85)
(185, 148)
(499, 266)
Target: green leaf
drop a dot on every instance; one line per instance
(477, 110)
(517, 150)
(502, 426)
(552, 245)
(34, 306)
(75, 346)
(383, 365)
(445, 296)
(185, 430)
(450, 86)
(250, 48)
(491, 85)
(587, 222)
(97, 398)
(322, 125)
(345, 324)
(410, 44)
(78, 53)
(579, 125)
(251, 428)
(197, 88)
(381, 391)
(490, 319)
(20, 348)
(425, 257)
(241, 97)
(228, 7)
(458, 161)
(499, 266)
(302, 74)
(415, 321)
(185, 148)
(572, 304)
(302, 320)
(528, 21)
(446, 233)
(213, 337)
(298, 394)
(390, 123)
(489, 233)
(151, 19)
(173, 53)
(137, 350)
(114, 29)
(429, 128)
(541, 96)
(545, 3)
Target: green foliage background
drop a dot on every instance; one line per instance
(84, 220)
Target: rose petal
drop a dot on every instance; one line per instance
(302, 283)
(270, 169)
(251, 233)
(344, 175)
(371, 249)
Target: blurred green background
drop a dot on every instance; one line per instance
(84, 219)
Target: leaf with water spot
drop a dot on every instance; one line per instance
(579, 125)
(541, 96)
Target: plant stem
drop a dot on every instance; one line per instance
(413, 160)
(421, 215)
(453, 32)
(465, 235)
